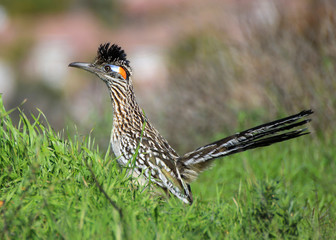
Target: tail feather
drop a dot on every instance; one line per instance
(260, 136)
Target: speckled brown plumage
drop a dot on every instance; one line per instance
(156, 161)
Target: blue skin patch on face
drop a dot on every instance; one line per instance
(117, 69)
(114, 68)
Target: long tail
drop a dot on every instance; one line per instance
(260, 136)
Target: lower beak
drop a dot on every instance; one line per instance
(85, 66)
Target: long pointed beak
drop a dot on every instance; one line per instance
(85, 66)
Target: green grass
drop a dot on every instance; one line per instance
(49, 190)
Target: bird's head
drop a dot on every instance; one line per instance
(110, 65)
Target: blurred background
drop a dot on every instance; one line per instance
(202, 69)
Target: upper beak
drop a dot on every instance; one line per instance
(85, 66)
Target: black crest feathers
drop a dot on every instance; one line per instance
(112, 54)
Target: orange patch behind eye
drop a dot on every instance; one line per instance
(123, 72)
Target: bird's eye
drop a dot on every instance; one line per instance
(116, 69)
(107, 68)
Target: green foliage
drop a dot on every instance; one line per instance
(31, 7)
(269, 216)
(54, 186)
(110, 12)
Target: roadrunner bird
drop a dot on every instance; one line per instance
(156, 160)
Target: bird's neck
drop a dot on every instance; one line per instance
(125, 107)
